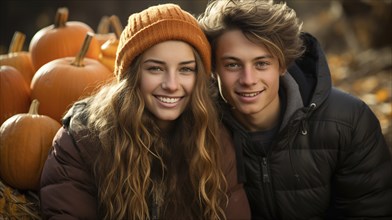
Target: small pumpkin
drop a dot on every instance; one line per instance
(108, 53)
(62, 39)
(14, 93)
(17, 58)
(103, 33)
(109, 49)
(25, 140)
(63, 81)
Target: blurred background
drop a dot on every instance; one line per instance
(355, 34)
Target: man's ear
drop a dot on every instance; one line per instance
(282, 71)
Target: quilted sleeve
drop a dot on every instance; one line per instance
(363, 180)
(67, 188)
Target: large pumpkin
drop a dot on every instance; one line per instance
(61, 82)
(25, 140)
(17, 58)
(62, 39)
(14, 93)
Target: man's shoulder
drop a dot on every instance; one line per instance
(343, 102)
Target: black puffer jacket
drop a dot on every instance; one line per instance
(329, 160)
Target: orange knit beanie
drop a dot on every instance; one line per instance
(157, 24)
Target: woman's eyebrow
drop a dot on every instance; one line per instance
(154, 61)
(163, 62)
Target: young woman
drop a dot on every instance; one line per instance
(147, 146)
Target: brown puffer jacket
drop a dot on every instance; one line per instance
(68, 190)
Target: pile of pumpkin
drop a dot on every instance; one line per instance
(65, 61)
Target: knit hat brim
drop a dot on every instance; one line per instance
(134, 42)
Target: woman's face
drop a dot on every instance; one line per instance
(168, 76)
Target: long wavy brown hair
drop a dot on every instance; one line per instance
(143, 172)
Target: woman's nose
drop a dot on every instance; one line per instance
(170, 82)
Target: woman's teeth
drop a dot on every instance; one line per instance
(168, 99)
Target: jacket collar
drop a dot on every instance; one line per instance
(293, 100)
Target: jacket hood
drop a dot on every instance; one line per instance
(311, 72)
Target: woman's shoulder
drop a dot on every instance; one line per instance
(225, 140)
(76, 130)
(226, 144)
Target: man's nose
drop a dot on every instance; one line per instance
(248, 76)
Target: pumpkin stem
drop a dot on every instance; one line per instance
(116, 24)
(34, 107)
(103, 26)
(82, 53)
(61, 17)
(17, 42)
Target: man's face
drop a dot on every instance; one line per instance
(248, 74)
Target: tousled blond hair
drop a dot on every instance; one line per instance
(274, 25)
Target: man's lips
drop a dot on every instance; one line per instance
(249, 94)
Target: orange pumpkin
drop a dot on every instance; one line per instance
(109, 49)
(62, 39)
(17, 58)
(108, 53)
(25, 140)
(103, 33)
(63, 81)
(14, 93)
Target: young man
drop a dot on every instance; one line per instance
(308, 150)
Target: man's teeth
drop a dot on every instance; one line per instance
(250, 94)
(168, 99)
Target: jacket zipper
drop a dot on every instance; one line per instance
(268, 187)
(266, 178)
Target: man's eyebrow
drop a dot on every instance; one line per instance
(256, 58)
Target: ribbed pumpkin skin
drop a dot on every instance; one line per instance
(102, 38)
(58, 84)
(108, 53)
(51, 43)
(14, 93)
(21, 61)
(25, 140)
